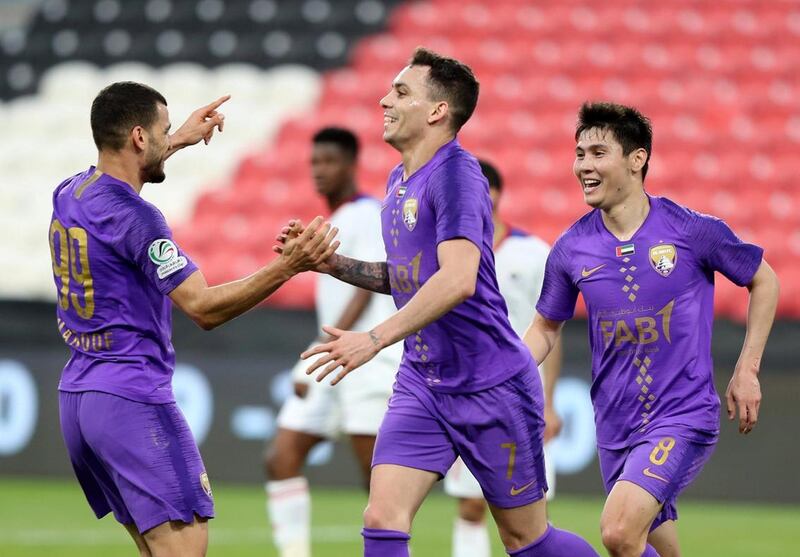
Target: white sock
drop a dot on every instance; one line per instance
(470, 539)
(289, 512)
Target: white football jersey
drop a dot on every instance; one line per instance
(519, 263)
(359, 224)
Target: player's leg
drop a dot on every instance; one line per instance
(363, 447)
(470, 534)
(665, 539)
(395, 495)
(178, 539)
(152, 472)
(625, 522)
(502, 447)
(139, 540)
(362, 405)
(302, 424)
(412, 452)
(654, 472)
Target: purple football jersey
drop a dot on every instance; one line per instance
(114, 263)
(472, 347)
(650, 303)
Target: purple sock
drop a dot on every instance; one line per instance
(556, 543)
(385, 543)
(650, 551)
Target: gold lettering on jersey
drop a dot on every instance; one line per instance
(69, 251)
(405, 278)
(85, 342)
(621, 331)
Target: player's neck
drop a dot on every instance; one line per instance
(337, 199)
(116, 166)
(625, 218)
(415, 156)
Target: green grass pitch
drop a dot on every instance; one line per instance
(50, 518)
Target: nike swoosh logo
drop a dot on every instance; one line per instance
(650, 474)
(589, 272)
(516, 491)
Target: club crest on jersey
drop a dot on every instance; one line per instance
(663, 258)
(205, 483)
(410, 213)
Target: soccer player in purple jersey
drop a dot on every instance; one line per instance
(115, 268)
(467, 386)
(645, 266)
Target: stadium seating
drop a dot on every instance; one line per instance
(721, 82)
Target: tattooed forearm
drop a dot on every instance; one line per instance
(369, 276)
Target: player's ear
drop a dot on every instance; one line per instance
(637, 159)
(438, 112)
(138, 137)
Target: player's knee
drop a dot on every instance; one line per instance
(620, 540)
(280, 465)
(384, 517)
(472, 510)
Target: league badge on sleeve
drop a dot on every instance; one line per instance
(410, 213)
(164, 253)
(663, 258)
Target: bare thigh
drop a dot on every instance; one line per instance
(665, 539)
(287, 453)
(363, 447)
(395, 495)
(141, 545)
(175, 538)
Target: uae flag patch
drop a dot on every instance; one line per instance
(627, 249)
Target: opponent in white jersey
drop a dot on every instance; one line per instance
(316, 412)
(519, 262)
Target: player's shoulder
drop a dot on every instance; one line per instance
(359, 209)
(683, 219)
(584, 227)
(521, 239)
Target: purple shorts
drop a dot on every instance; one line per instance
(135, 459)
(663, 462)
(497, 432)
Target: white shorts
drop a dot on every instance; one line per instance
(354, 407)
(459, 481)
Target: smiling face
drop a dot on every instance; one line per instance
(607, 176)
(155, 154)
(407, 108)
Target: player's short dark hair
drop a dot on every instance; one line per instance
(119, 108)
(452, 81)
(492, 174)
(630, 127)
(345, 139)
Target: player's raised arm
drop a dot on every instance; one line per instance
(212, 306)
(199, 125)
(744, 391)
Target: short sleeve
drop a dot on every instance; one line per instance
(720, 249)
(559, 293)
(143, 237)
(460, 197)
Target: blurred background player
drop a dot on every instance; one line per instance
(316, 412)
(645, 267)
(115, 267)
(519, 260)
(467, 386)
